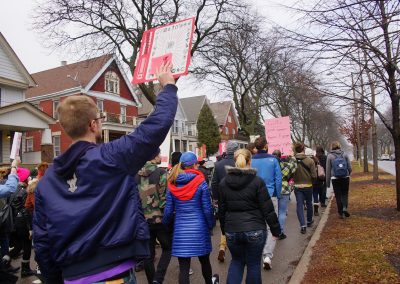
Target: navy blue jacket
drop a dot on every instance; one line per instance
(88, 214)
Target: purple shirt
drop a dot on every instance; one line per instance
(122, 267)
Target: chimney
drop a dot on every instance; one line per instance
(63, 63)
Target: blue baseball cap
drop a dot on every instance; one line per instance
(188, 159)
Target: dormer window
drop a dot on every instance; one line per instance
(112, 82)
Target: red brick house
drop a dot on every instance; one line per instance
(227, 120)
(100, 78)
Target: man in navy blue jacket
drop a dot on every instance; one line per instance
(269, 170)
(88, 224)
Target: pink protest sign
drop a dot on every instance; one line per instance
(222, 147)
(277, 132)
(171, 42)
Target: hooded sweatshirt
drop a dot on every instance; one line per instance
(329, 160)
(152, 184)
(244, 204)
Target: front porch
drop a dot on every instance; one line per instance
(21, 117)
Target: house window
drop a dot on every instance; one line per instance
(123, 114)
(57, 145)
(184, 145)
(29, 144)
(112, 82)
(229, 119)
(55, 106)
(176, 126)
(183, 127)
(100, 105)
(226, 130)
(190, 132)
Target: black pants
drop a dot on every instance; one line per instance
(184, 266)
(319, 192)
(21, 241)
(341, 189)
(164, 236)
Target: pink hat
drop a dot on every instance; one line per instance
(23, 174)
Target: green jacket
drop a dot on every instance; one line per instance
(288, 169)
(152, 184)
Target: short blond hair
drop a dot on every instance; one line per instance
(242, 157)
(75, 114)
(335, 145)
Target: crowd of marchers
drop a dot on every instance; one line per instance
(98, 212)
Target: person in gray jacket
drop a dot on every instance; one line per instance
(338, 168)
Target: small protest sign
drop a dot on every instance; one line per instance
(16, 145)
(277, 132)
(171, 42)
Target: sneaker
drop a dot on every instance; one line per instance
(309, 224)
(191, 271)
(303, 230)
(282, 236)
(221, 255)
(267, 263)
(346, 214)
(215, 279)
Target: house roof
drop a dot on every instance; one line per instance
(27, 80)
(221, 111)
(192, 107)
(66, 77)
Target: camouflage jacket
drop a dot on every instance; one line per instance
(152, 184)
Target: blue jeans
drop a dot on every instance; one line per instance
(246, 250)
(282, 208)
(304, 194)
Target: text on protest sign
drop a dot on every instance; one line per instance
(166, 43)
(277, 132)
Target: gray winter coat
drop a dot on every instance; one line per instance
(329, 169)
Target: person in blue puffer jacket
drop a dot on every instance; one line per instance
(189, 206)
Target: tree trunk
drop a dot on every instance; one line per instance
(374, 138)
(364, 131)
(356, 114)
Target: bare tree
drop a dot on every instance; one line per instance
(93, 27)
(341, 30)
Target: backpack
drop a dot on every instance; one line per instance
(320, 172)
(6, 217)
(339, 166)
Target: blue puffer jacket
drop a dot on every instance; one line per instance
(191, 202)
(88, 214)
(269, 170)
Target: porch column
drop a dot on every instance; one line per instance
(46, 147)
(106, 136)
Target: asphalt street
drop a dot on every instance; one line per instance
(287, 254)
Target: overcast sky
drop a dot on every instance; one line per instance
(16, 26)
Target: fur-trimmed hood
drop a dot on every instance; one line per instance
(239, 178)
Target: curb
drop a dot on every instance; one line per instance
(302, 266)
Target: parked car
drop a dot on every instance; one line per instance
(385, 157)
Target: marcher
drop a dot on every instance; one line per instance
(315, 184)
(204, 170)
(22, 235)
(288, 168)
(152, 184)
(320, 155)
(252, 148)
(219, 174)
(338, 168)
(245, 208)
(269, 170)
(303, 178)
(189, 208)
(8, 185)
(88, 224)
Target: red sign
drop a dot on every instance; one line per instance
(172, 42)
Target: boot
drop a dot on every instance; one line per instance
(316, 210)
(26, 269)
